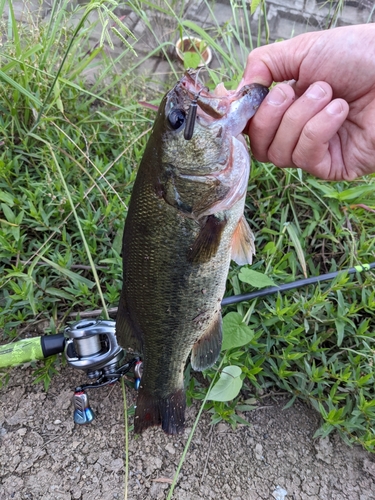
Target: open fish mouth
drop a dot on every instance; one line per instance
(220, 102)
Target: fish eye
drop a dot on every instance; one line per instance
(176, 118)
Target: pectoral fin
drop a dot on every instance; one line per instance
(243, 247)
(207, 349)
(128, 336)
(208, 240)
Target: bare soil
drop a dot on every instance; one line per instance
(44, 455)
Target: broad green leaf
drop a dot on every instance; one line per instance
(292, 231)
(254, 5)
(117, 242)
(7, 198)
(235, 332)
(254, 278)
(228, 386)
(9, 215)
(59, 293)
(340, 328)
(191, 60)
(352, 194)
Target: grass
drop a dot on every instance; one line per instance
(68, 159)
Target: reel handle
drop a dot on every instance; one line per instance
(83, 414)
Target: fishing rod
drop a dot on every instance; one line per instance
(243, 297)
(91, 345)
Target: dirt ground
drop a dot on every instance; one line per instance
(44, 455)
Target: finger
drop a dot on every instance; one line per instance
(319, 148)
(317, 96)
(278, 61)
(256, 70)
(263, 126)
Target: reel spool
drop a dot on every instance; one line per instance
(92, 346)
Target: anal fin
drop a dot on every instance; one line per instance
(207, 348)
(128, 336)
(243, 247)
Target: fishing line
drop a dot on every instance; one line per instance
(234, 299)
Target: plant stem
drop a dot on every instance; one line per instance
(182, 459)
(126, 439)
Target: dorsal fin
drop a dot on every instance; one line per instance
(207, 348)
(243, 247)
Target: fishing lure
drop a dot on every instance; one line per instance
(190, 120)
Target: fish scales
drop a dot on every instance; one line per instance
(177, 245)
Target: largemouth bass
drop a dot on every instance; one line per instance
(185, 222)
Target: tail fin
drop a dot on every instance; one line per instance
(152, 410)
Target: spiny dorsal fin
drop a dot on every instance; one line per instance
(208, 240)
(243, 247)
(207, 348)
(128, 337)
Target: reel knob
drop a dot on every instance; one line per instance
(83, 414)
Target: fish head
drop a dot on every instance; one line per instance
(205, 150)
(214, 117)
(209, 171)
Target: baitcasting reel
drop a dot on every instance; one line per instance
(91, 346)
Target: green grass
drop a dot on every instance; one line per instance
(68, 158)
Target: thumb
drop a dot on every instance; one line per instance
(257, 70)
(277, 62)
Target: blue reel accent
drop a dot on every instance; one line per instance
(83, 417)
(83, 414)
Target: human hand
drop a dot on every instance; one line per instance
(324, 122)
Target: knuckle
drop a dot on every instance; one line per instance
(304, 157)
(299, 159)
(310, 134)
(279, 157)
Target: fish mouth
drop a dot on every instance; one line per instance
(221, 103)
(211, 105)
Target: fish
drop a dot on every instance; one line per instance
(184, 224)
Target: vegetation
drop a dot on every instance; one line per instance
(68, 158)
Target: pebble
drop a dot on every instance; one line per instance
(258, 451)
(170, 449)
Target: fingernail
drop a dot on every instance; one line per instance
(277, 96)
(315, 91)
(334, 108)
